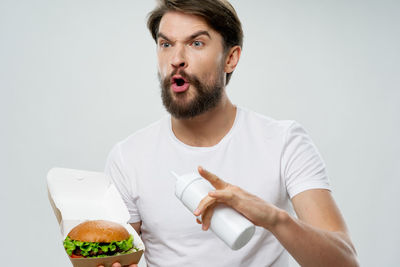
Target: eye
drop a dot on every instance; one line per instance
(197, 44)
(165, 45)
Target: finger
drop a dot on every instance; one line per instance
(100, 266)
(116, 264)
(206, 218)
(221, 195)
(224, 196)
(203, 205)
(133, 265)
(217, 182)
(198, 221)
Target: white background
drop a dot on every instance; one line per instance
(78, 76)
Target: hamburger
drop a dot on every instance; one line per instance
(99, 238)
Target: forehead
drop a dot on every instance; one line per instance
(178, 24)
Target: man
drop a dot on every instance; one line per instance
(266, 165)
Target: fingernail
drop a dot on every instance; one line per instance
(196, 212)
(204, 227)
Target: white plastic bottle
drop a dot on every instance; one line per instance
(228, 224)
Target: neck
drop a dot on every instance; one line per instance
(206, 129)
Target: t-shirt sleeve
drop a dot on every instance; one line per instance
(125, 184)
(302, 166)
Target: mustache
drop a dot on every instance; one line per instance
(186, 76)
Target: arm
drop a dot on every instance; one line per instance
(115, 170)
(137, 226)
(318, 238)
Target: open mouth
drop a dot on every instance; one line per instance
(179, 81)
(179, 84)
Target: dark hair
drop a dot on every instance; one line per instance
(219, 14)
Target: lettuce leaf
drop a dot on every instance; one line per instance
(87, 247)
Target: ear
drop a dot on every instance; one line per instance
(232, 59)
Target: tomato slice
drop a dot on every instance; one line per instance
(76, 256)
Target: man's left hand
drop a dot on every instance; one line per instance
(252, 207)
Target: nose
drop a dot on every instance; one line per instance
(179, 58)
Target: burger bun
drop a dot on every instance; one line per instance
(99, 231)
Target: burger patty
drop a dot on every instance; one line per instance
(78, 252)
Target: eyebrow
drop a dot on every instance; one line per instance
(161, 35)
(199, 33)
(191, 37)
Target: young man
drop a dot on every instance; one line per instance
(265, 164)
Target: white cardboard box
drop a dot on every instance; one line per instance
(77, 196)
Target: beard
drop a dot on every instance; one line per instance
(207, 95)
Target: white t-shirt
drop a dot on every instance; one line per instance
(272, 159)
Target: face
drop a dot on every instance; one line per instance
(191, 65)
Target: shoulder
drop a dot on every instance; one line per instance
(270, 127)
(148, 132)
(144, 138)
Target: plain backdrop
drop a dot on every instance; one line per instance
(77, 76)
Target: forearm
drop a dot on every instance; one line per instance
(318, 238)
(311, 246)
